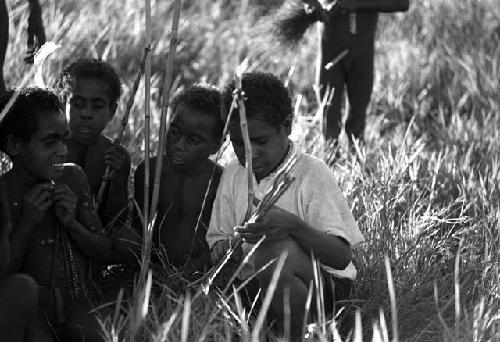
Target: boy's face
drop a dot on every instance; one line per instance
(191, 138)
(269, 145)
(42, 156)
(90, 109)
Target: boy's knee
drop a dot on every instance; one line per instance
(22, 292)
(297, 262)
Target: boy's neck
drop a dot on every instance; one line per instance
(285, 155)
(189, 172)
(21, 179)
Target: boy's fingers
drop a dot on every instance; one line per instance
(46, 205)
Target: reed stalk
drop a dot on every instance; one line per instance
(121, 130)
(164, 109)
(239, 96)
(147, 116)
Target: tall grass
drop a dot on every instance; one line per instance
(424, 186)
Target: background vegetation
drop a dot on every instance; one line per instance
(424, 186)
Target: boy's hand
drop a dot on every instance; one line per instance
(35, 204)
(36, 31)
(5, 223)
(220, 249)
(277, 224)
(65, 202)
(115, 157)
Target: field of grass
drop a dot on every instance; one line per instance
(424, 186)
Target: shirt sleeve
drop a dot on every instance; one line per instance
(223, 218)
(324, 206)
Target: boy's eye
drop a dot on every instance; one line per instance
(77, 102)
(99, 105)
(194, 141)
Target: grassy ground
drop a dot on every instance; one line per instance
(424, 186)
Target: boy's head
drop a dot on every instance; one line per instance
(269, 115)
(196, 131)
(34, 132)
(92, 89)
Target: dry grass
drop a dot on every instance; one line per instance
(424, 186)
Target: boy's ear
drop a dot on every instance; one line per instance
(216, 147)
(112, 110)
(11, 145)
(287, 126)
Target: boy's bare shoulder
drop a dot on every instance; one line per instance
(73, 171)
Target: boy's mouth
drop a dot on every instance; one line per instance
(59, 166)
(176, 159)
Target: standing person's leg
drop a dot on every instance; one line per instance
(360, 80)
(18, 308)
(333, 78)
(359, 91)
(4, 39)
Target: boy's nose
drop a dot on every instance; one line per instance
(86, 113)
(62, 150)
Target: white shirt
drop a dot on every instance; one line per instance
(314, 196)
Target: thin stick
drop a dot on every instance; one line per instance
(239, 95)
(126, 115)
(164, 109)
(147, 117)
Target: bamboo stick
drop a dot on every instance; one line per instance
(147, 118)
(164, 109)
(239, 95)
(121, 130)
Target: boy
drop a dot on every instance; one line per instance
(311, 217)
(92, 89)
(56, 231)
(194, 135)
(18, 293)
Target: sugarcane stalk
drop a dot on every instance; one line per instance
(147, 119)
(169, 71)
(121, 130)
(239, 96)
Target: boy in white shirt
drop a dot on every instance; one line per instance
(310, 218)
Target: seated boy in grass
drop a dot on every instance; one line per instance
(92, 89)
(18, 292)
(195, 134)
(310, 218)
(56, 232)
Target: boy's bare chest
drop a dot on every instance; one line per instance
(186, 195)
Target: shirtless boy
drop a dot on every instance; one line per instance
(194, 135)
(92, 89)
(56, 232)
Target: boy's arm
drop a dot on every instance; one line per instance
(222, 220)
(35, 203)
(117, 197)
(5, 227)
(118, 158)
(326, 227)
(278, 224)
(77, 214)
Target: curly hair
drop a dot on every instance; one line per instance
(205, 98)
(265, 98)
(22, 118)
(90, 68)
